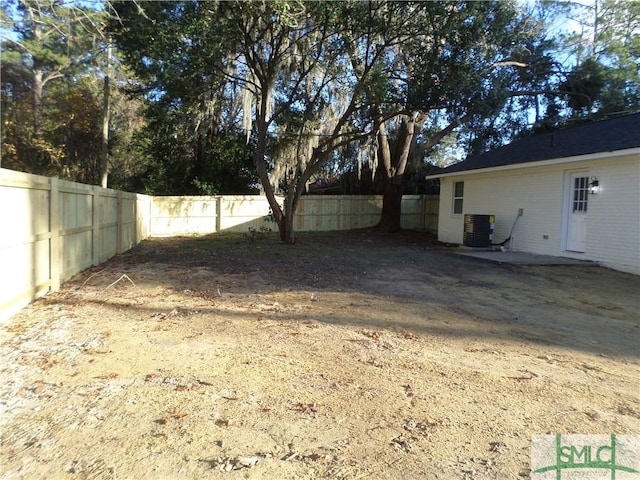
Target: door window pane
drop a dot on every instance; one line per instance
(580, 194)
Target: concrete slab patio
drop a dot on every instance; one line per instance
(520, 258)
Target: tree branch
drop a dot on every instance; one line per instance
(510, 63)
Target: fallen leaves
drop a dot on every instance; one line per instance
(177, 414)
(528, 375)
(173, 414)
(185, 387)
(162, 315)
(308, 407)
(497, 447)
(225, 421)
(247, 385)
(181, 384)
(403, 443)
(319, 457)
(93, 351)
(46, 361)
(38, 387)
(228, 464)
(408, 390)
(238, 462)
(375, 335)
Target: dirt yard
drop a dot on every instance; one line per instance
(354, 355)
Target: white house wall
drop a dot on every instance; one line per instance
(537, 192)
(613, 228)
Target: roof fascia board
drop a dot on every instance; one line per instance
(541, 163)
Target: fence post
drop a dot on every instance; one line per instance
(219, 200)
(119, 241)
(54, 230)
(136, 224)
(95, 224)
(149, 213)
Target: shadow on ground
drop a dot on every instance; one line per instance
(400, 281)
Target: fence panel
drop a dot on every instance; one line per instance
(107, 204)
(430, 213)
(172, 215)
(25, 239)
(412, 208)
(52, 229)
(241, 213)
(75, 227)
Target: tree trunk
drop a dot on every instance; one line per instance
(394, 163)
(38, 79)
(278, 214)
(106, 114)
(287, 233)
(391, 207)
(285, 226)
(38, 86)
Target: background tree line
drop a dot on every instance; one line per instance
(236, 97)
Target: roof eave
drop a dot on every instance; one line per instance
(539, 163)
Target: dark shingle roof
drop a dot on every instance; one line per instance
(609, 135)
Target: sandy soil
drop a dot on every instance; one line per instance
(353, 355)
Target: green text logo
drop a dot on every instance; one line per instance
(582, 457)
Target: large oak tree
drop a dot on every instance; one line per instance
(304, 80)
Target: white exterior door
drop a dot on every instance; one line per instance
(577, 221)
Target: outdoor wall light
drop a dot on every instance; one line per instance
(594, 186)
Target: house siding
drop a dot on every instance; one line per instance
(613, 228)
(613, 231)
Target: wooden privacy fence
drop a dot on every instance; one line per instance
(200, 215)
(52, 229)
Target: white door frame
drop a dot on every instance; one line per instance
(567, 200)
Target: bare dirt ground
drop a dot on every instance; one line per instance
(353, 355)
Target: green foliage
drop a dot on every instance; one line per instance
(584, 85)
(52, 90)
(203, 187)
(256, 234)
(604, 78)
(70, 141)
(191, 139)
(180, 162)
